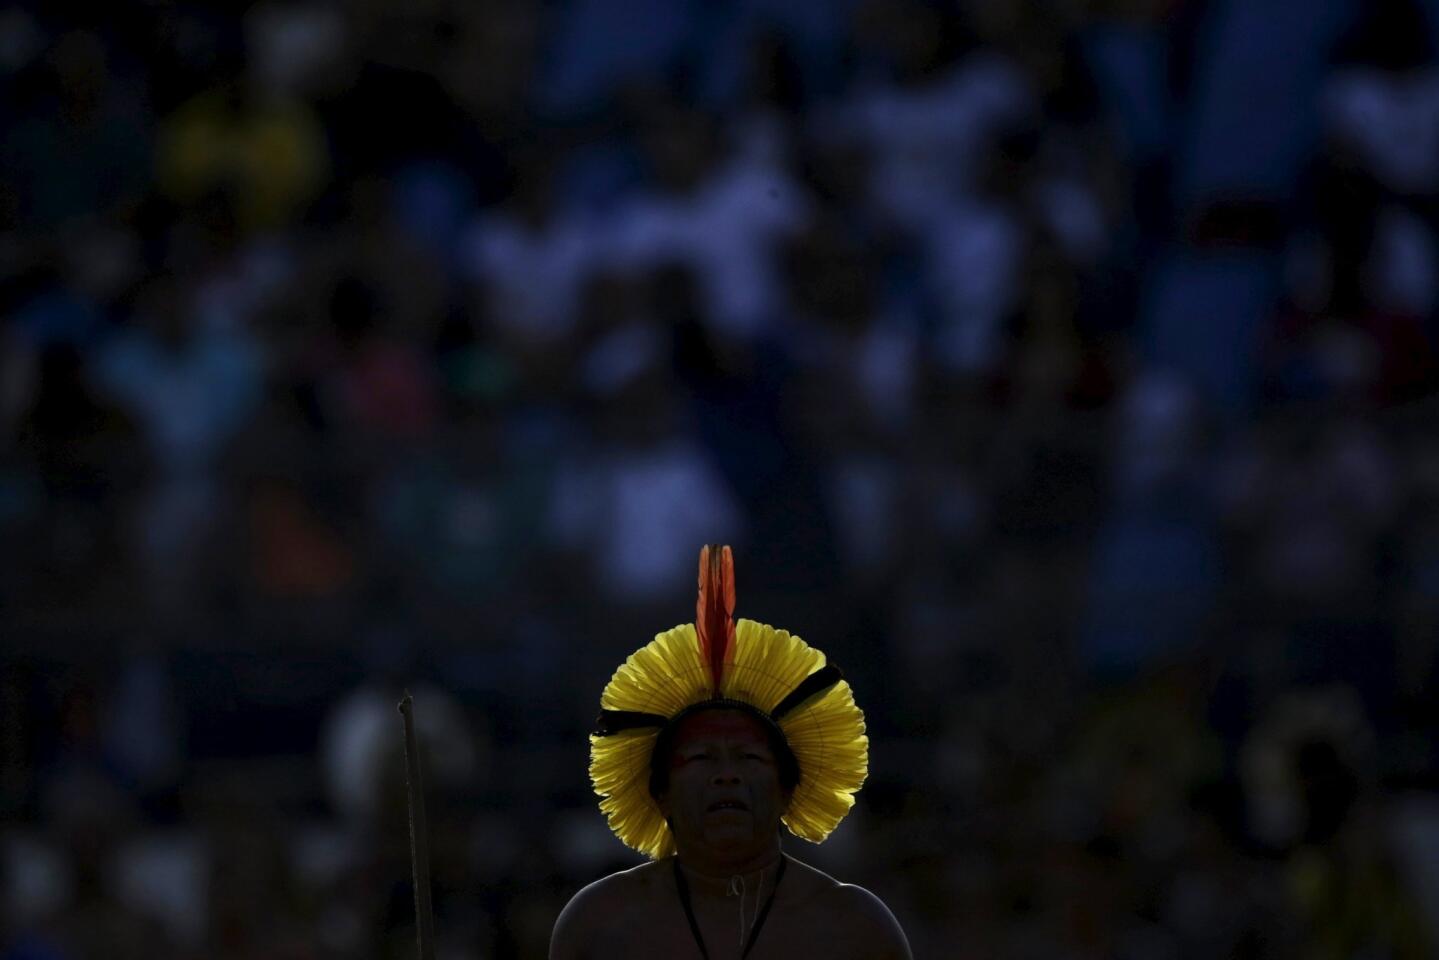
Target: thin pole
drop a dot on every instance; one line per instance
(419, 836)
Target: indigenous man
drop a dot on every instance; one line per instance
(708, 739)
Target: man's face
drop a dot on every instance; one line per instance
(724, 790)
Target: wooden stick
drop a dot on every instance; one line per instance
(419, 836)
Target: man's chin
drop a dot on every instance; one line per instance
(733, 839)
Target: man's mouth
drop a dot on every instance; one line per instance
(727, 805)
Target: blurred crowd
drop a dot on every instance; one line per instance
(1065, 369)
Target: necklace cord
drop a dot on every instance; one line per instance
(737, 885)
(683, 888)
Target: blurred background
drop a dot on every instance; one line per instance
(1065, 370)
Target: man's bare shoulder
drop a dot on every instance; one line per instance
(868, 925)
(603, 901)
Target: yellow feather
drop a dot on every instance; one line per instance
(668, 674)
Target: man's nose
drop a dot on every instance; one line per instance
(726, 772)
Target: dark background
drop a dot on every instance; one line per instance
(1065, 370)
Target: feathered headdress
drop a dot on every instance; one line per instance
(718, 661)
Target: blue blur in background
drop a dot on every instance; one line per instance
(1064, 369)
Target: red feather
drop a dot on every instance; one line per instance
(714, 611)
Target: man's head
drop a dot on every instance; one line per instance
(795, 705)
(723, 776)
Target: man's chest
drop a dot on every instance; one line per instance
(796, 936)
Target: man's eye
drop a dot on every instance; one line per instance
(755, 756)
